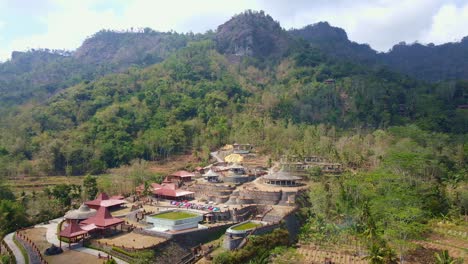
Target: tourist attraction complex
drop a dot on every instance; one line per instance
(232, 198)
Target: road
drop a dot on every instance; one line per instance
(16, 251)
(215, 155)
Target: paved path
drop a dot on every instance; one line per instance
(215, 155)
(16, 251)
(51, 236)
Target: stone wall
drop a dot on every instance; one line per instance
(261, 197)
(200, 236)
(231, 242)
(212, 192)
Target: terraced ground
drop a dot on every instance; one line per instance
(314, 255)
(451, 239)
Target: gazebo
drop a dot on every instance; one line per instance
(211, 176)
(72, 231)
(281, 178)
(103, 200)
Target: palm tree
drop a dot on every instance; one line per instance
(376, 254)
(444, 258)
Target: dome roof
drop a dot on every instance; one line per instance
(282, 175)
(83, 212)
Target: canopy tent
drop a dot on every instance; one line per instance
(227, 147)
(234, 158)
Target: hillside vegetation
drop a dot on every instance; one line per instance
(402, 140)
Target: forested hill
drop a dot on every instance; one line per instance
(198, 97)
(39, 73)
(430, 62)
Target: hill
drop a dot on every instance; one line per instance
(252, 34)
(198, 97)
(430, 62)
(37, 74)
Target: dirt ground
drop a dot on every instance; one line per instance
(38, 236)
(172, 164)
(132, 240)
(37, 184)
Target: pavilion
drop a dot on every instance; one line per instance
(103, 200)
(211, 176)
(103, 220)
(72, 231)
(171, 192)
(281, 178)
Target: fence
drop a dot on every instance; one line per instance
(4, 247)
(34, 253)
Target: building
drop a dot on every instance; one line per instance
(174, 220)
(102, 221)
(72, 231)
(171, 192)
(103, 200)
(211, 176)
(180, 176)
(241, 148)
(281, 178)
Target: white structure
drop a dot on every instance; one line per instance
(163, 224)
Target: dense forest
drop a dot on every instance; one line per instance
(115, 100)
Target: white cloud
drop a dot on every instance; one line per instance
(70, 22)
(449, 24)
(380, 23)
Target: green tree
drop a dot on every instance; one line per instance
(13, 216)
(90, 187)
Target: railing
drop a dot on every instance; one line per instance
(33, 251)
(9, 252)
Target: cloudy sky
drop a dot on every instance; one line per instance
(64, 24)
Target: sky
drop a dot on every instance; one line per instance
(65, 24)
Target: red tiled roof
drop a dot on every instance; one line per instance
(102, 199)
(102, 196)
(72, 230)
(153, 186)
(117, 197)
(183, 174)
(172, 192)
(103, 219)
(171, 186)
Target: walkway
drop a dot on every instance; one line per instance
(16, 251)
(215, 155)
(51, 236)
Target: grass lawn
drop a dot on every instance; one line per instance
(177, 215)
(246, 226)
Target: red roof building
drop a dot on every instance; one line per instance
(72, 232)
(141, 188)
(180, 176)
(103, 200)
(167, 191)
(103, 219)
